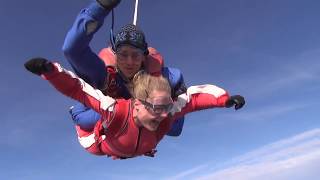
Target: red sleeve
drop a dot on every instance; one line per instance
(74, 87)
(199, 97)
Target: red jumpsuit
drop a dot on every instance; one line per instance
(116, 134)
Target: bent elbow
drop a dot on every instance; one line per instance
(68, 50)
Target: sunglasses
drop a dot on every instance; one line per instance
(157, 109)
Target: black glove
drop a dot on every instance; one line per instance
(109, 4)
(237, 101)
(38, 66)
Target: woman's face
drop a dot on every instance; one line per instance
(151, 111)
(129, 60)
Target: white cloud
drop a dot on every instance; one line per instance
(275, 169)
(297, 157)
(186, 173)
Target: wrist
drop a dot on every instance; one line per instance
(229, 103)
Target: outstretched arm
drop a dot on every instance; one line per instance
(77, 51)
(204, 97)
(70, 85)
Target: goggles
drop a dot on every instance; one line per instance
(157, 108)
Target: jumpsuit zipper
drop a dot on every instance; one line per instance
(138, 141)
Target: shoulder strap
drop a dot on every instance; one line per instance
(154, 62)
(107, 56)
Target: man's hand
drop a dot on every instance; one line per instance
(38, 66)
(109, 4)
(237, 101)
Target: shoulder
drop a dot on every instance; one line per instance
(154, 61)
(118, 118)
(173, 75)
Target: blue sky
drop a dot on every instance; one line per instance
(267, 51)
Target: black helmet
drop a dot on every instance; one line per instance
(131, 35)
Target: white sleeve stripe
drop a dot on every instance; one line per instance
(207, 89)
(105, 101)
(183, 99)
(87, 141)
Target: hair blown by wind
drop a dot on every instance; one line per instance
(144, 84)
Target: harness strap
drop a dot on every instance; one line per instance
(111, 86)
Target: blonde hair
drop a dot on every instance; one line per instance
(144, 84)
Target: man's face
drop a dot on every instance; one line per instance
(129, 60)
(154, 109)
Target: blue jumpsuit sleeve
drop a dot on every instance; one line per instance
(85, 117)
(177, 84)
(85, 63)
(83, 60)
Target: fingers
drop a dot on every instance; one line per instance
(239, 102)
(238, 106)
